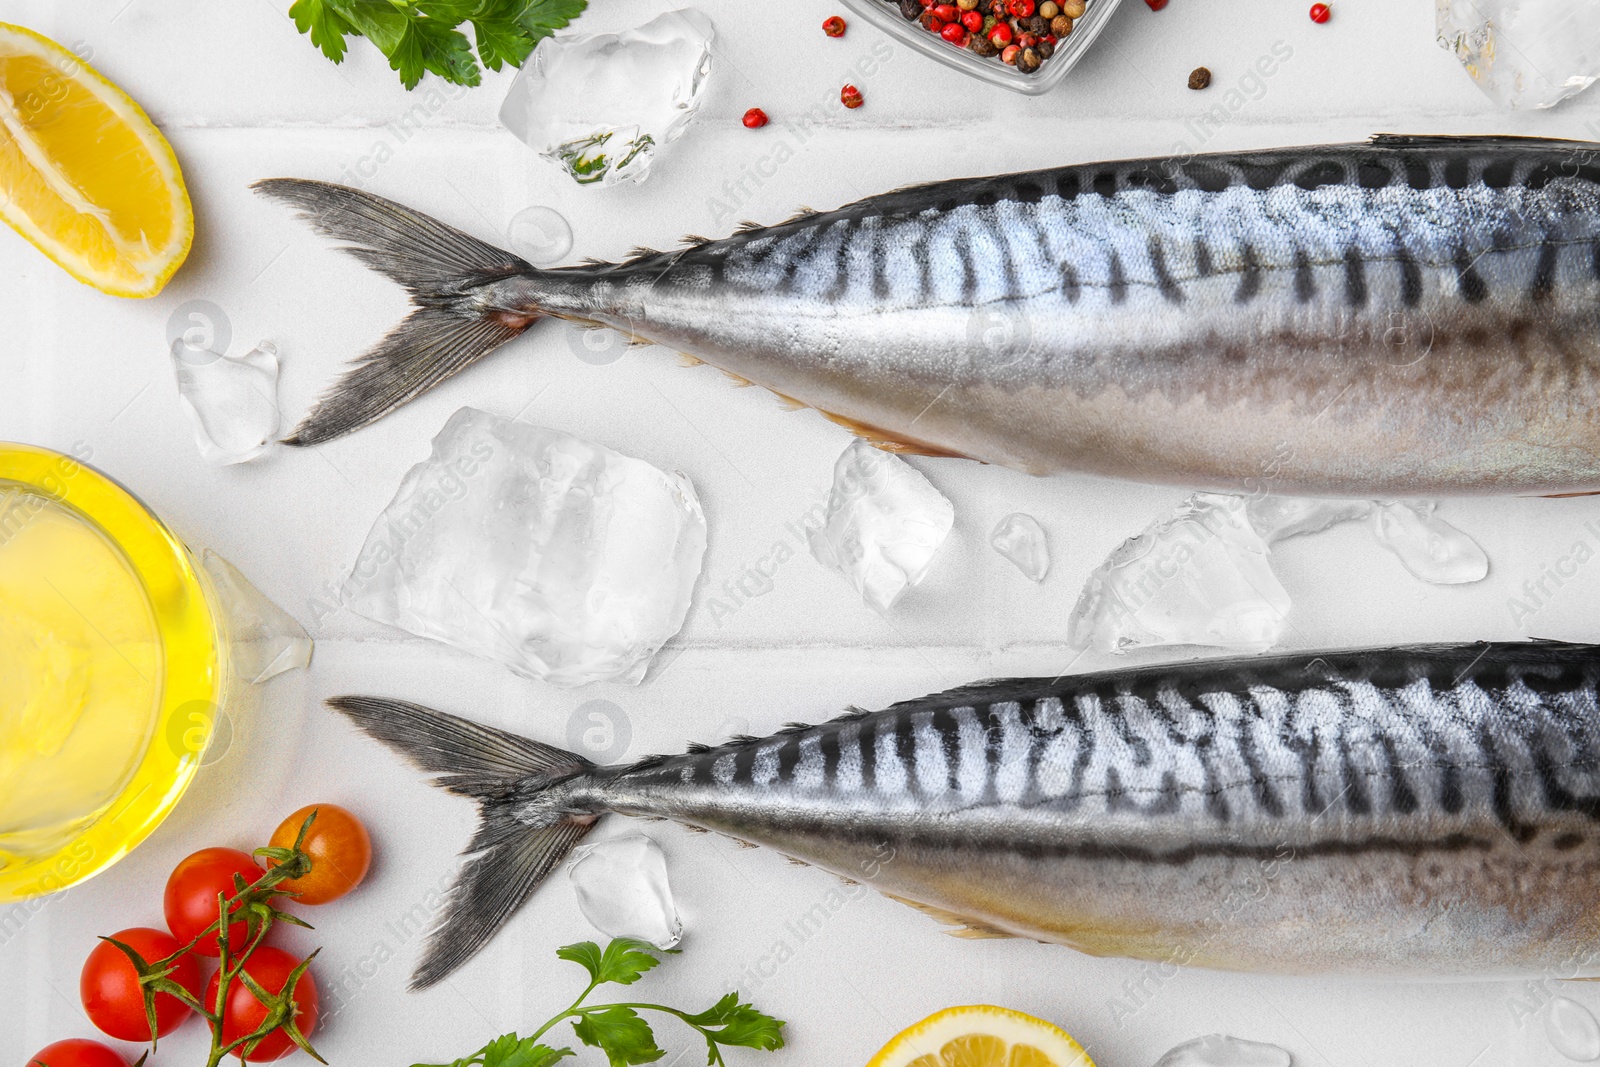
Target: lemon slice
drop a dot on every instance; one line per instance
(982, 1036)
(84, 174)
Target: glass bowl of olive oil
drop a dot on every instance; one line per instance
(114, 658)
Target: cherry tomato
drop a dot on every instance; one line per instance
(242, 1013)
(110, 990)
(191, 897)
(76, 1052)
(337, 843)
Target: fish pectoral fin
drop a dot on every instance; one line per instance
(889, 442)
(961, 926)
(687, 360)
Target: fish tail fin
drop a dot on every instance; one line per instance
(525, 830)
(443, 269)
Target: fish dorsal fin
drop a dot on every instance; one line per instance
(961, 926)
(1449, 140)
(888, 442)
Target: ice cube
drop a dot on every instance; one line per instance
(601, 105)
(540, 235)
(1021, 539)
(560, 558)
(1524, 53)
(1429, 547)
(623, 890)
(1201, 577)
(1216, 1050)
(1278, 517)
(263, 639)
(231, 401)
(1572, 1030)
(884, 523)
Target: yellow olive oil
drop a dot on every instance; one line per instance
(109, 658)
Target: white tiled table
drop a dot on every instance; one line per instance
(242, 96)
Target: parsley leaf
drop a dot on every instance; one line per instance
(622, 962)
(508, 1050)
(420, 36)
(740, 1024)
(620, 1033)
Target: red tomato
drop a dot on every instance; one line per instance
(110, 986)
(337, 843)
(76, 1052)
(191, 897)
(243, 1013)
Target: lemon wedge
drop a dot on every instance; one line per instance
(84, 174)
(982, 1036)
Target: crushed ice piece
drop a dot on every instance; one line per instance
(1278, 517)
(884, 524)
(1523, 53)
(1429, 547)
(263, 640)
(540, 235)
(623, 890)
(1216, 1050)
(1572, 1030)
(1200, 577)
(601, 105)
(555, 556)
(231, 401)
(1021, 539)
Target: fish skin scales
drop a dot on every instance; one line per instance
(1414, 316)
(1433, 810)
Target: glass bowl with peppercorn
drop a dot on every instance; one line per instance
(1026, 46)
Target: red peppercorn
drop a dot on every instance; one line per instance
(955, 33)
(850, 97)
(1001, 34)
(1321, 12)
(1051, 38)
(1026, 40)
(972, 20)
(1010, 54)
(833, 26)
(945, 12)
(1156, 5)
(1022, 8)
(755, 118)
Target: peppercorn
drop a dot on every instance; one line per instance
(967, 5)
(1061, 25)
(1009, 54)
(850, 97)
(1001, 34)
(1073, 9)
(1200, 78)
(1321, 12)
(1049, 9)
(972, 20)
(1046, 48)
(755, 118)
(1028, 61)
(1037, 25)
(833, 26)
(955, 33)
(930, 22)
(982, 45)
(910, 10)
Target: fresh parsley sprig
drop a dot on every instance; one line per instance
(619, 1030)
(422, 35)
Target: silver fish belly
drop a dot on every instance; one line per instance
(1422, 811)
(1414, 316)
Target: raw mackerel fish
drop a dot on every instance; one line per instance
(1416, 316)
(1432, 810)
